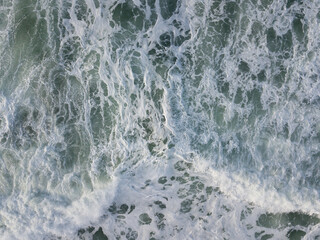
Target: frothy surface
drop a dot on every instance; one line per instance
(149, 119)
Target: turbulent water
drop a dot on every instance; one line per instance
(159, 119)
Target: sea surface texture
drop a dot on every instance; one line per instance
(159, 119)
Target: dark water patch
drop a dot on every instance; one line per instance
(70, 51)
(221, 30)
(131, 234)
(295, 234)
(262, 236)
(31, 33)
(244, 66)
(144, 219)
(168, 7)
(262, 76)
(292, 2)
(266, 3)
(122, 209)
(160, 221)
(128, 16)
(186, 206)
(298, 29)
(282, 220)
(239, 96)
(91, 233)
(160, 204)
(75, 148)
(232, 9)
(26, 20)
(99, 235)
(166, 39)
(179, 40)
(24, 128)
(162, 180)
(182, 165)
(281, 44)
(81, 10)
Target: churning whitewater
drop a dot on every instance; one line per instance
(159, 119)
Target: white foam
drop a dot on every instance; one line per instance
(239, 149)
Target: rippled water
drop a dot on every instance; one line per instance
(159, 119)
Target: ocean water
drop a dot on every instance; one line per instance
(159, 119)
